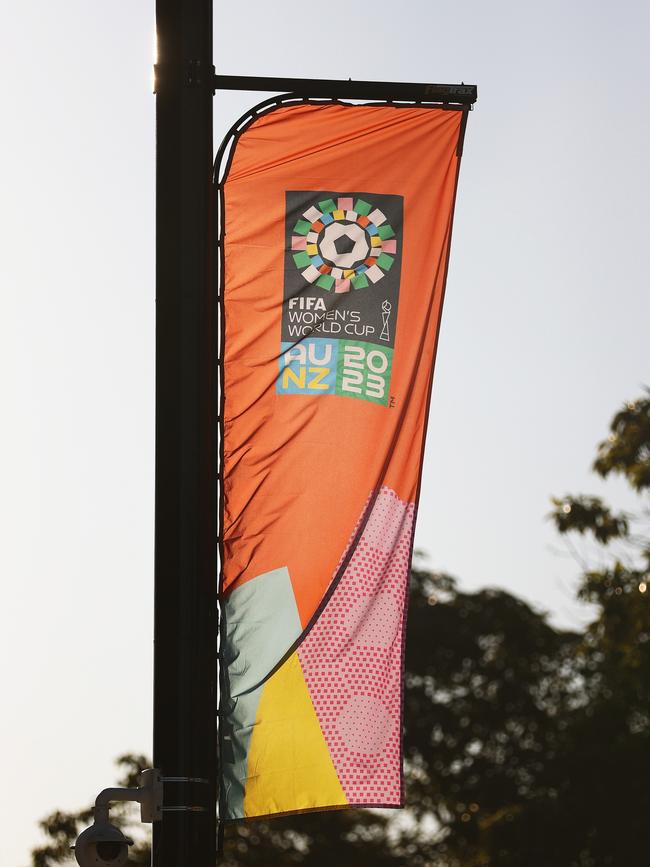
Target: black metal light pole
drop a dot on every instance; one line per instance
(185, 618)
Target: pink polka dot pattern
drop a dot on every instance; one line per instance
(352, 658)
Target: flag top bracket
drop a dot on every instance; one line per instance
(458, 94)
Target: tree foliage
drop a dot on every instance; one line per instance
(525, 745)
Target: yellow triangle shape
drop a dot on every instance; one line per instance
(289, 765)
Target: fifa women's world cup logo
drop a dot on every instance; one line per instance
(341, 293)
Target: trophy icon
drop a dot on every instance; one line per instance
(385, 315)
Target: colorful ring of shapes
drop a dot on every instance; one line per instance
(306, 244)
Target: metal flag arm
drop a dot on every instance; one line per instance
(459, 94)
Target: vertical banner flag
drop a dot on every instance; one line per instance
(335, 230)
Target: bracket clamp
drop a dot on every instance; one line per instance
(199, 74)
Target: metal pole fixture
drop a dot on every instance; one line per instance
(185, 608)
(315, 88)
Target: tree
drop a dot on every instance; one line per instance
(525, 745)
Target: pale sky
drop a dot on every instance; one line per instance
(544, 334)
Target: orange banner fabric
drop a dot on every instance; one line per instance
(336, 228)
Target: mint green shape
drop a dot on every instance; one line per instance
(327, 206)
(302, 227)
(325, 281)
(301, 259)
(260, 624)
(360, 281)
(238, 724)
(362, 207)
(385, 231)
(385, 261)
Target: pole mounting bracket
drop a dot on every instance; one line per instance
(199, 74)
